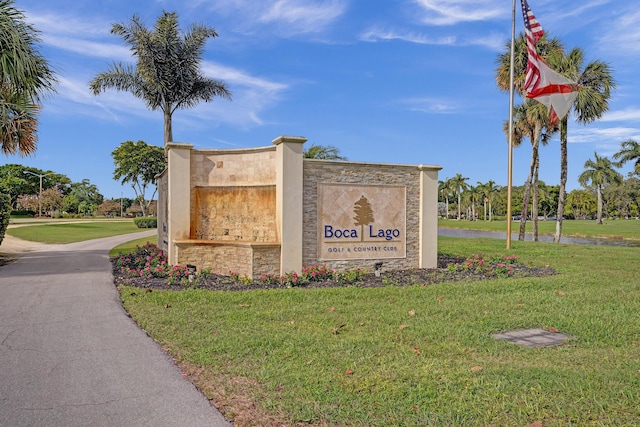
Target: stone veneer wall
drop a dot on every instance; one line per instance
(329, 172)
(248, 260)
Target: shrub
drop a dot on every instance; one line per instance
(146, 222)
(350, 277)
(499, 265)
(5, 214)
(23, 212)
(316, 273)
(144, 261)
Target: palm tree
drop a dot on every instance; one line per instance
(530, 118)
(446, 188)
(167, 73)
(594, 82)
(482, 191)
(581, 202)
(491, 189)
(458, 183)
(25, 77)
(328, 152)
(600, 173)
(471, 196)
(629, 152)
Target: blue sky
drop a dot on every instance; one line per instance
(393, 81)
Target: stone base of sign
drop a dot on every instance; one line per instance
(260, 211)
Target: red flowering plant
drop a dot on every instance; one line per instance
(144, 261)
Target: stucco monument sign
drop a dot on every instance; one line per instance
(269, 210)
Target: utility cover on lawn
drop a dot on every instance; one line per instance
(533, 337)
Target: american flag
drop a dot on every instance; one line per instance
(542, 83)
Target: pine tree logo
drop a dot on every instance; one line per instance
(363, 214)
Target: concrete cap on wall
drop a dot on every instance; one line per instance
(282, 139)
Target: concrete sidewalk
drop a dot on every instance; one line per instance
(70, 355)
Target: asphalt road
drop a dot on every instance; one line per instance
(70, 355)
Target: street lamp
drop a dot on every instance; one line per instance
(40, 195)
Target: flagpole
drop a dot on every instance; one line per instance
(511, 94)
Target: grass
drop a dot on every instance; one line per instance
(417, 355)
(72, 232)
(612, 229)
(128, 247)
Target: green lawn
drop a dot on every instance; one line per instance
(72, 232)
(614, 229)
(128, 247)
(417, 355)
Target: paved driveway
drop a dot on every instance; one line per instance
(70, 356)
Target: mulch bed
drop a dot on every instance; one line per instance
(428, 276)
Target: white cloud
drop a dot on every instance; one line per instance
(234, 76)
(374, 35)
(252, 96)
(450, 12)
(628, 114)
(606, 140)
(623, 35)
(304, 16)
(89, 48)
(52, 23)
(291, 17)
(431, 105)
(494, 42)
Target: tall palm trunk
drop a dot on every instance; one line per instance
(535, 159)
(563, 179)
(534, 205)
(599, 192)
(525, 207)
(168, 131)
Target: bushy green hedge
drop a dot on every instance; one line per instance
(23, 212)
(5, 214)
(146, 222)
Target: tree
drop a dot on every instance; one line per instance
(471, 196)
(595, 83)
(167, 72)
(110, 207)
(25, 77)
(459, 184)
(70, 204)
(137, 163)
(328, 152)
(629, 152)
(582, 203)
(487, 192)
(52, 200)
(446, 189)
(84, 191)
(5, 214)
(600, 173)
(532, 121)
(531, 118)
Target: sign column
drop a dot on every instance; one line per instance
(428, 216)
(289, 200)
(178, 196)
